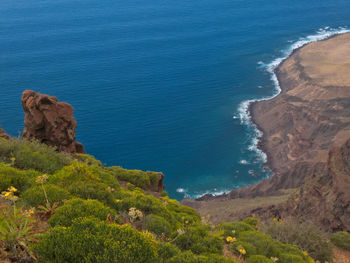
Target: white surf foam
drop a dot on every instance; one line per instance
(243, 161)
(243, 109)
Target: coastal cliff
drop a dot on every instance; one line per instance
(309, 117)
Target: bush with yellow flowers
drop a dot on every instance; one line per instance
(92, 240)
(76, 208)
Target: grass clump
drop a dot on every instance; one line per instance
(341, 239)
(304, 235)
(27, 155)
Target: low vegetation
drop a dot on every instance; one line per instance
(341, 239)
(70, 208)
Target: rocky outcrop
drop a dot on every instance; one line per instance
(324, 198)
(50, 121)
(3, 134)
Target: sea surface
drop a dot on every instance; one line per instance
(159, 85)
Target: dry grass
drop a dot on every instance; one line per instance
(341, 256)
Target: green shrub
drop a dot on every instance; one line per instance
(166, 250)
(77, 207)
(198, 240)
(33, 155)
(148, 204)
(264, 244)
(306, 236)
(189, 257)
(213, 258)
(341, 239)
(136, 177)
(259, 259)
(35, 196)
(251, 221)
(91, 240)
(291, 258)
(92, 190)
(234, 228)
(130, 187)
(157, 225)
(186, 257)
(87, 159)
(163, 194)
(181, 213)
(81, 172)
(250, 248)
(21, 180)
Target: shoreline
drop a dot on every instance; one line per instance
(248, 116)
(282, 89)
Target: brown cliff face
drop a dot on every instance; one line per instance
(50, 122)
(325, 197)
(3, 134)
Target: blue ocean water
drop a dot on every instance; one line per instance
(157, 85)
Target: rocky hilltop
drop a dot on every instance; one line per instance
(50, 122)
(309, 117)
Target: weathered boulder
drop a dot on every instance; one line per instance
(3, 134)
(50, 121)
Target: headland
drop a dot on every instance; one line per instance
(301, 125)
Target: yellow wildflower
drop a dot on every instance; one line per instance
(12, 189)
(275, 219)
(13, 159)
(118, 200)
(242, 251)
(228, 239)
(305, 253)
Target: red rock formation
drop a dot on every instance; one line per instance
(50, 122)
(3, 134)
